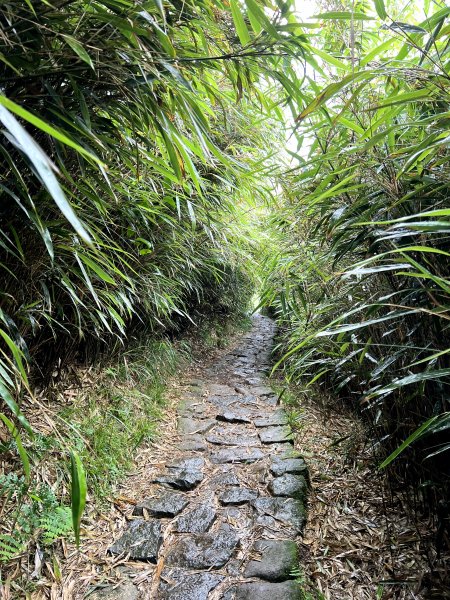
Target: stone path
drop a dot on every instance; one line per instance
(224, 516)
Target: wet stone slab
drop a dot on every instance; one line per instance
(203, 551)
(280, 466)
(236, 455)
(287, 590)
(236, 496)
(169, 504)
(287, 510)
(233, 436)
(261, 391)
(180, 479)
(278, 417)
(123, 591)
(190, 426)
(182, 475)
(278, 559)
(142, 541)
(289, 484)
(236, 414)
(197, 520)
(271, 435)
(193, 443)
(225, 402)
(177, 584)
(224, 478)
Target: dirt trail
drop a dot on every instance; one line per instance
(223, 515)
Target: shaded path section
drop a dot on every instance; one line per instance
(224, 513)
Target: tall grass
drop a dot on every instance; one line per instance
(361, 282)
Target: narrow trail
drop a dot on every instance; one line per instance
(224, 514)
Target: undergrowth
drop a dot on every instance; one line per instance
(106, 414)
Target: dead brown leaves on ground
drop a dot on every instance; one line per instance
(362, 540)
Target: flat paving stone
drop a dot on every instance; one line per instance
(191, 462)
(289, 484)
(287, 590)
(216, 389)
(189, 426)
(142, 541)
(280, 466)
(286, 510)
(177, 584)
(197, 520)
(278, 417)
(203, 551)
(193, 443)
(224, 402)
(236, 455)
(180, 479)
(220, 480)
(271, 435)
(236, 496)
(278, 560)
(169, 504)
(231, 437)
(183, 474)
(236, 414)
(261, 391)
(123, 591)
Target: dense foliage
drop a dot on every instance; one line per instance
(134, 139)
(361, 283)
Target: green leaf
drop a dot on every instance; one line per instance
(22, 452)
(239, 23)
(78, 493)
(331, 60)
(78, 48)
(44, 167)
(412, 438)
(343, 15)
(380, 8)
(43, 126)
(259, 19)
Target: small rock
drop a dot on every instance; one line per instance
(192, 463)
(287, 590)
(241, 390)
(183, 474)
(278, 559)
(176, 584)
(223, 479)
(286, 510)
(141, 541)
(123, 591)
(278, 417)
(216, 389)
(180, 480)
(169, 504)
(280, 466)
(270, 435)
(261, 391)
(289, 485)
(190, 426)
(237, 496)
(193, 443)
(235, 455)
(229, 438)
(203, 551)
(198, 520)
(235, 415)
(224, 402)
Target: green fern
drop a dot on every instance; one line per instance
(11, 546)
(56, 524)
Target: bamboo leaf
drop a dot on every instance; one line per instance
(78, 493)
